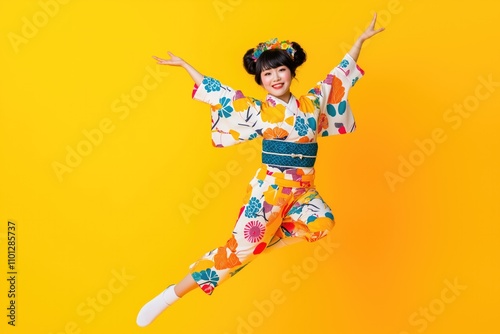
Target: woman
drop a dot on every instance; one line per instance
(282, 205)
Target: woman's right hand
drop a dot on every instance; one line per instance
(173, 61)
(176, 61)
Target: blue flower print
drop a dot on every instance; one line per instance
(312, 123)
(311, 219)
(300, 126)
(207, 275)
(211, 84)
(252, 136)
(226, 109)
(354, 81)
(330, 109)
(315, 91)
(296, 209)
(342, 107)
(253, 208)
(344, 63)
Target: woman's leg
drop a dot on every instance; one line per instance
(309, 218)
(254, 229)
(186, 285)
(157, 305)
(255, 226)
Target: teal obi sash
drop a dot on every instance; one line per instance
(288, 154)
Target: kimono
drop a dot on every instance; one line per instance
(281, 204)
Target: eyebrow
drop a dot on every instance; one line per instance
(273, 68)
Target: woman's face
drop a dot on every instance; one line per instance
(277, 81)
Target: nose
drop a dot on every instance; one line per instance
(276, 76)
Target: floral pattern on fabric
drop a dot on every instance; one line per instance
(211, 85)
(207, 279)
(295, 212)
(323, 111)
(254, 231)
(272, 212)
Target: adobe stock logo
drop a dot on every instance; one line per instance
(97, 303)
(426, 315)
(121, 108)
(385, 17)
(218, 181)
(294, 278)
(223, 6)
(31, 26)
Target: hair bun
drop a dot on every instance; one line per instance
(249, 62)
(300, 55)
(272, 54)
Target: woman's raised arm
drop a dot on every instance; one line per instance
(176, 61)
(368, 33)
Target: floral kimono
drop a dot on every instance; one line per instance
(282, 203)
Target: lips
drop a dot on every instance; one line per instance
(278, 86)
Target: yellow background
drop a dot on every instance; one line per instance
(96, 243)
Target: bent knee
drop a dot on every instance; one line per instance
(320, 228)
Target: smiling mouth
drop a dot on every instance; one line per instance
(278, 86)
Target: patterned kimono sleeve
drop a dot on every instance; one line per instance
(335, 115)
(235, 117)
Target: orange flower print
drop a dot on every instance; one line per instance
(337, 92)
(322, 122)
(233, 261)
(222, 261)
(304, 139)
(216, 107)
(275, 133)
(232, 244)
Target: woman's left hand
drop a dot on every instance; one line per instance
(371, 31)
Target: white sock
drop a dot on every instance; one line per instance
(155, 306)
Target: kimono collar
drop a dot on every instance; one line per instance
(273, 100)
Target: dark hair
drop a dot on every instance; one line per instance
(273, 58)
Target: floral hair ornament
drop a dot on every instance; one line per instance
(273, 44)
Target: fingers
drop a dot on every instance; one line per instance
(173, 58)
(159, 60)
(374, 20)
(372, 29)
